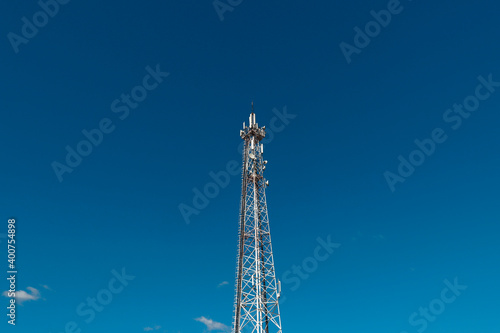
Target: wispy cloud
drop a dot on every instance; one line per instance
(155, 328)
(378, 237)
(23, 296)
(213, 325)
(223, 283)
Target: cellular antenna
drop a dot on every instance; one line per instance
(256, 306)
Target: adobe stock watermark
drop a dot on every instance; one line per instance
(87, 310)
(121, 106)
(30, 28)
(372, 29)
(425, 315)
(454, 117)
(298, 273)
(223, 6)
(221, 179)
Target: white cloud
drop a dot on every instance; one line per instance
(156, 328)
(212, 325)
(223, 283)
(22, 296)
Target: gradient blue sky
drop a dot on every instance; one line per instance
(119, 207)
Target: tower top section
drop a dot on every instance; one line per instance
(253, 130)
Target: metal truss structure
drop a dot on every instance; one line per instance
(256, 307)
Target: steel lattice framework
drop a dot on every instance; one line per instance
(256, 308)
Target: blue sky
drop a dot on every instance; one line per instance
(111, 229)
